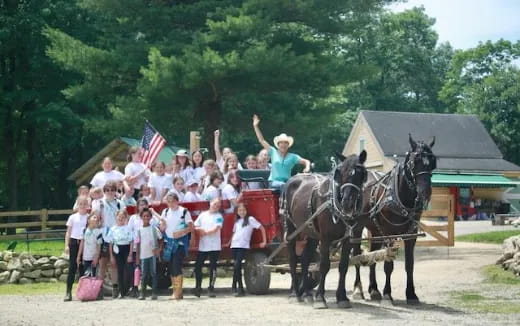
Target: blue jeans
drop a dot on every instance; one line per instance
(277, 185)
(149, 269)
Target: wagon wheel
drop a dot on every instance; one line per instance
(257, 277)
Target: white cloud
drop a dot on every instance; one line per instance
(464, 23)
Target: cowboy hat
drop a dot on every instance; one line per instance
(283, 137)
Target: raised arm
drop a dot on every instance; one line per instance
(307, 165)
(261, 140)
(216, 145)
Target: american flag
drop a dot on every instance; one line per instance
(152, 143)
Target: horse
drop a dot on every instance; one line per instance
(393, 205)
(333, 201)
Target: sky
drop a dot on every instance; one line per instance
(464, 23)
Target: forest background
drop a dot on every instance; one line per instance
(76, 74)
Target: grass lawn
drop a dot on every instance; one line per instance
(35, 288)
(503, 299)
(489, 237)
(53, 248)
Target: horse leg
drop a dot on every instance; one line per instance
(308, 253)
(375, 295)
(411, 297)
(319, 299)
(292, 264)
(341, 293)
(387, 291)
(358, 286)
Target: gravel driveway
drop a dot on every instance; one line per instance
(437, 272)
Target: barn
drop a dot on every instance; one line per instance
(470, 166)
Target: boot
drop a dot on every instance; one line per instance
(212, 279)
(141, 294)
(68, 296)
(198, 287)
(134, 292)
(115, 291)
(240, 292)
(234, 285)
(178, 288)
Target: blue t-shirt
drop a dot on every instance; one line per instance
(281, 166)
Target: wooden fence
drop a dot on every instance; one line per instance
(439, 222)
(39, 219)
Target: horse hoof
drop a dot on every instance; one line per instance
(413, 302)
(387, 299)
(358, 296)
(375, 295)
(344, 304)
(318, 304)
(308, 299)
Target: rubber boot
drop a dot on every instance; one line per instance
(198, 287)
(115, 291)
(212, 279)
(178, 287)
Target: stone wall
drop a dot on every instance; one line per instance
(24, 268)
(510, 259)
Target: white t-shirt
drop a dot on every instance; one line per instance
(146, 241)
(135, 223)
(229, 193)
(242, 234)
(191, 197)
(179, 194)
(133, 169)
(121, 235)
(197, 173)
(159, 183)
(186, 173)
(109, 212)
(208, 221)
(211, 193)
(78, 223)
(220, 164)
(102, 177)
(174, 220)
(92, 238)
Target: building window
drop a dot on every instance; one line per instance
(361, 144)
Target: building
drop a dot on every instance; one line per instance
(469, 165)
(117, 151)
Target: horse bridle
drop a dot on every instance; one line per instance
(409, 167)
(338, 209)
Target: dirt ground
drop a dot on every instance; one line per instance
(438, 271)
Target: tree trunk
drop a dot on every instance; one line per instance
(12, 175)
(34, 168)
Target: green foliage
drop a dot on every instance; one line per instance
(497, 237)
(497, 275)
(48, 248)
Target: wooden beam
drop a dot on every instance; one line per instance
(194, 141)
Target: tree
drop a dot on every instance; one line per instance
(184, 64)
(484, 81)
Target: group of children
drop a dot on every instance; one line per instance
(101, 229)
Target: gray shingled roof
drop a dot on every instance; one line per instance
(461, 141)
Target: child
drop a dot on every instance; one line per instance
(182, 159)
(226, 151)
(128, 198)
(240, 243)
(159, 182)
(231, 163)
(178, 188)
(136, 173)
(251, 162)
(145, 193)
(121, 248)
(263, 160)
(197, 160)
(209, 167)
(96, 194)
(208, 225)
(75, 226)
(177, 240)
(135, 223)
(90, 246)
(192, 194)
(82, 191)
(213, 191)
(231, 190)
(147, 241)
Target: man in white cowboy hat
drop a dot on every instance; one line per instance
(282, 161)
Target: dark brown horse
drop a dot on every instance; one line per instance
(334, 201)
(393, 205)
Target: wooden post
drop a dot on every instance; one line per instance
(451, 220)
(44, 216)
(194, 141)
